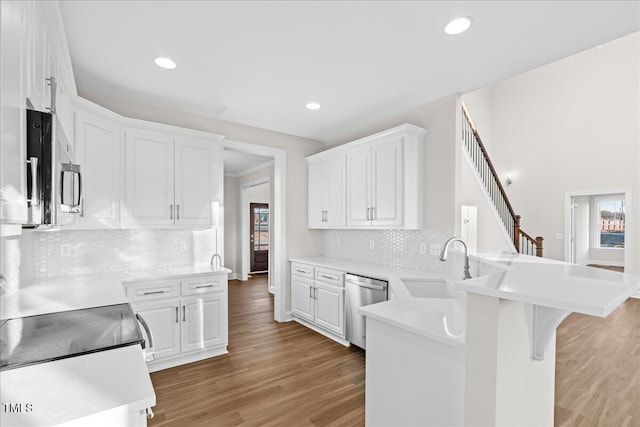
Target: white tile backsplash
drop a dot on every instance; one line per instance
(95, 251)
(395, 248)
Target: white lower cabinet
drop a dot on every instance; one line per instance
(317, 298)
(188, 317)
(163, 320)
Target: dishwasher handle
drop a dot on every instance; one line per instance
(368, 285)
(365, 282)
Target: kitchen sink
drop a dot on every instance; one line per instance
(431, 288)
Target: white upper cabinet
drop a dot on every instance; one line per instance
(170, 179)
(326, 208)
(99, 151)
(148, 178)
(195, 180)
(386, 182)
(383, 185)
(38, 56)
(13, 40)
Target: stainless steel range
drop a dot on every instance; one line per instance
(43, 338)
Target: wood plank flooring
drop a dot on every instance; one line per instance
(283, 374)
(279, 374)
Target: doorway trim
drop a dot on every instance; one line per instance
(277, 275)
(629, 226)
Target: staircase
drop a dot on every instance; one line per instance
(524, 243)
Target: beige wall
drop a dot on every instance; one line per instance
(569, 126)
(440, 172)
(300, 241)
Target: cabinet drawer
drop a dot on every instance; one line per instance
(302, 270)
(202, 285)
(153, 290)
(333, 277)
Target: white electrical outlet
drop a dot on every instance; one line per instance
(435, 248)
(372, 244)
(65, 250)
(183, 246)
(423, 248)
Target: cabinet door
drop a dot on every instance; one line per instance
(194, 180)
(13, 205)
(329, 302)
(204, 321)
(163, 318)
(335, 194)
(99, 152)
(358, 186)
(148, 178)
(302, 298)
(37, 84)
(387, 185)
(317, 176)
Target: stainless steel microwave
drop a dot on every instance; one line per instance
(54, 183)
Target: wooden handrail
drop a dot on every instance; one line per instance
(489, 162)
(523, 242)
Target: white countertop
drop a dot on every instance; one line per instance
(528, 279)
(76, 387)
(440, 319)
(554, 284)
(64, 293)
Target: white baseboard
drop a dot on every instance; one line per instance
(234, 276)
(180, 359)
(321, 331)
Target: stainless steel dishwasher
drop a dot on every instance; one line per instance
(361, 291)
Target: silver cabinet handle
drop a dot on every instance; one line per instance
(176, 314)
(154, 293)
(374, 213)
(177, 211)
(35, 197)
(328, 277)
(184, 313)
(301, 271)
(204, 286)
(170, 211)
(315, 293)
(53, 88)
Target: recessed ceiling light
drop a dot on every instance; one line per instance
(313, 106)
(165, 63)
(458, 25)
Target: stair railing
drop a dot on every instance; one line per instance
(523, 242)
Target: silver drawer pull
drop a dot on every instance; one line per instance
(154, 293)
(329, 277)
(302, 271)
(204, 286)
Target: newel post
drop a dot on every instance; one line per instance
(516, 232)
(539, 246)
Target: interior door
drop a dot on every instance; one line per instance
(259, 237)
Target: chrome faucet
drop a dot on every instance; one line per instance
(218, 258)
(445, 249)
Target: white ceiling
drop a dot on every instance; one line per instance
(259, 63)
(237, 163)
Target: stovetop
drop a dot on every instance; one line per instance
(37, 339)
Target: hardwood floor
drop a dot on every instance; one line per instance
(598, 369)
(279, 374)
(283, 374)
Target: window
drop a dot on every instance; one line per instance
(610, 213)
